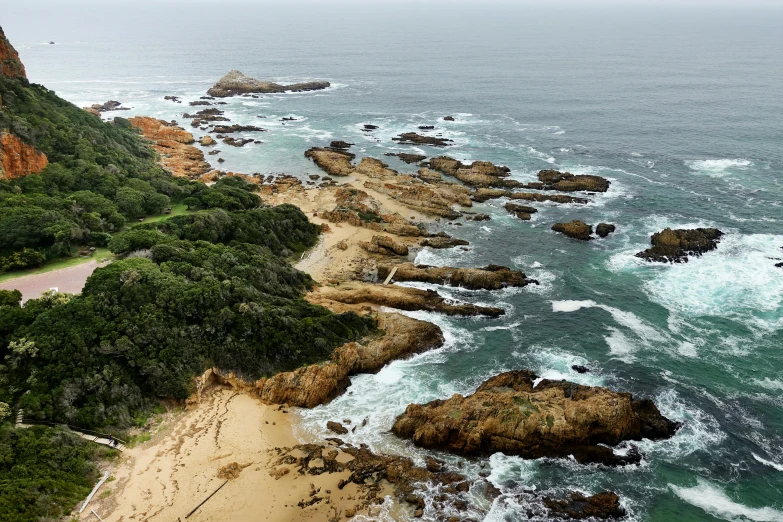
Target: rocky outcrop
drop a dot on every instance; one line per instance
(443, 242)
(492, 277)
(567, 182)
(10, 64)
(110, 105)
(235, 83)
(578, 507)
(205, 117)
(521, 211)
(604, 229)
(674, 246)
(574, 229)
(484, 194)
(340, 144)
(359, 294)
(333, 162)
(477, 174)
(18, 159)
(553, 419)
(237, 142)
(407, 158)
(316, 384)
(414, 138)
(174, 145)
(385, 245)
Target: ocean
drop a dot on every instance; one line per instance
(680, 106)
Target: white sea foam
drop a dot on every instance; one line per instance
(770, 384)
(496, 328)
(571, 306)
(739, 280)
(718, 167)
(716, 502)
(769, 463)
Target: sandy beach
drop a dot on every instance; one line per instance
(165, 478)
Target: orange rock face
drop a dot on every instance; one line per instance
(173, 143)
(17, 159)
(10, 64)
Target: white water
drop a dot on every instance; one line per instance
(716, 502)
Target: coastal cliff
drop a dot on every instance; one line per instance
(10, 64)
(18, 159)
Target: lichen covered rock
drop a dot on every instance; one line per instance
(575, 229)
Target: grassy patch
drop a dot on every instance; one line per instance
(98, 255)
(177, 209)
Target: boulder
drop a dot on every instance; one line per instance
(574, 229)
(235, 83)
(553, 419)
(604, 229)
(228, 129)
(674, 246)
(206, 141)
(448, 118)
(336, 427)
(443, 242)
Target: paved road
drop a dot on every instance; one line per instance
(69, 280)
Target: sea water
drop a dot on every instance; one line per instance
(681, 107)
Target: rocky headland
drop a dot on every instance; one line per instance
(174, 145)
(675, 246)
(553, 419)
(236, 83)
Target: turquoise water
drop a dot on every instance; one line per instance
(680, 107)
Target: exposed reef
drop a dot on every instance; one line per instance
(492, 277)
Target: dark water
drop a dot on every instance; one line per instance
(681, 107)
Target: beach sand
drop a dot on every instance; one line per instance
(167, 477)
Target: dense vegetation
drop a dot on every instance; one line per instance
(99, 177)
(210, 288)
(43, 470)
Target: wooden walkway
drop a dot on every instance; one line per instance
(97, 438)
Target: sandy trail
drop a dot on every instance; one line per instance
(163, 480)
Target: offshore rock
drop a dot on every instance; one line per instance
(521, 211)
(333, 162)
(604, 229)
(575, 229)
(674, 246)
(235, 83)
(414, 138)
(567, 182)
(18, 159)
(399, 297)
(10, 64)
(207, 141)
(174, 145)
(492, 277)
(228, 129)
(554, 419)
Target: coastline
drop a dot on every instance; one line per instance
(168, 476)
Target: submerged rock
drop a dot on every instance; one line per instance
(575, 229)
(228, 129)
(674, 246)
(492, 277)
(553, 419)
(485, 193)
(236, 82)
(407, 158)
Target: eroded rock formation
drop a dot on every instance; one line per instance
(236, 82)
(10, 64)
(567, 182)
(414, 138)
(492, 277)
(604, 229)
(174, 145)
(477, 174)
(553, 419)
(521, 211)
(674, 246)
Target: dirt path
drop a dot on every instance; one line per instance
(70, 280)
